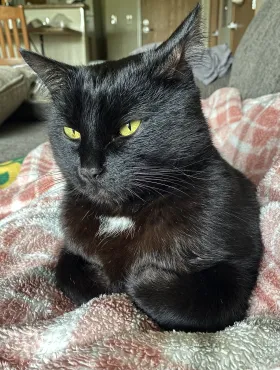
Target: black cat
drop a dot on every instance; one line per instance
(150, 207)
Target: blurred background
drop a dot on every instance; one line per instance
(111, 29)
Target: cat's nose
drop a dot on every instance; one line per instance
(89, 173)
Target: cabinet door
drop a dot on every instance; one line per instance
(233, 22)
(161, 17)
(122, 27)
(213, 21)
(242, 15)
(225, 19)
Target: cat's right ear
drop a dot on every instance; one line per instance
(183, 49)
(54, 74)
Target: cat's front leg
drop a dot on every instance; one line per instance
(207, 300)
(79, 279)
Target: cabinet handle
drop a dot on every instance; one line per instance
(113, 19)
(233, 26)
(147, 29)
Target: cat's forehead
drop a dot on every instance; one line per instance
(124, 65)
(119, 79)
(124, 72)
(106, 93)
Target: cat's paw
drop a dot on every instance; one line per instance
(78, 279)
(202, 301)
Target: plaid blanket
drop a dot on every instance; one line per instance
(41, 329)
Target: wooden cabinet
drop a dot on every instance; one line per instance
(229, 21)
(130, 24)
(161, 17)
(121, 26)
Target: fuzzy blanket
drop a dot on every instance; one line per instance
(42, 329)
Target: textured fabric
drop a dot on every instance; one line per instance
(215, 62)
(247, 134)
(15, 86)
(255, 71)
(13, 91)
(219, 83)
(41, 329)
(28, 73)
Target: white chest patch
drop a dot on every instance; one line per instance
(115, 225)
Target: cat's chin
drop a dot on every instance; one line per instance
(107, 202)
(102, 198)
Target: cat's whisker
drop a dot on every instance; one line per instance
(167, 181)
(171, 174)
(174, 181)
(142, 186)
(86, 215)
(152, 182)
(164, 177)
(135, 194)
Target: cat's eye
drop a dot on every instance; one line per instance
(71, 133)
(129, 128)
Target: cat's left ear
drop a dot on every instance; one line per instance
(183, 48)
(54, 74)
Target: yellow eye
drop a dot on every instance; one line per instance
(72, 134)
(129, 128)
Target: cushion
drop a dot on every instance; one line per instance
(15, 85)
(219, 83)
(255, 71)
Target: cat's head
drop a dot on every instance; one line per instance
(126, 129)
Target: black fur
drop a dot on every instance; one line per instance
(192, 259)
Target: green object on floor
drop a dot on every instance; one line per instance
(9, 172)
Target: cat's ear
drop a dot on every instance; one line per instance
(54, 74)
(184, 46)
